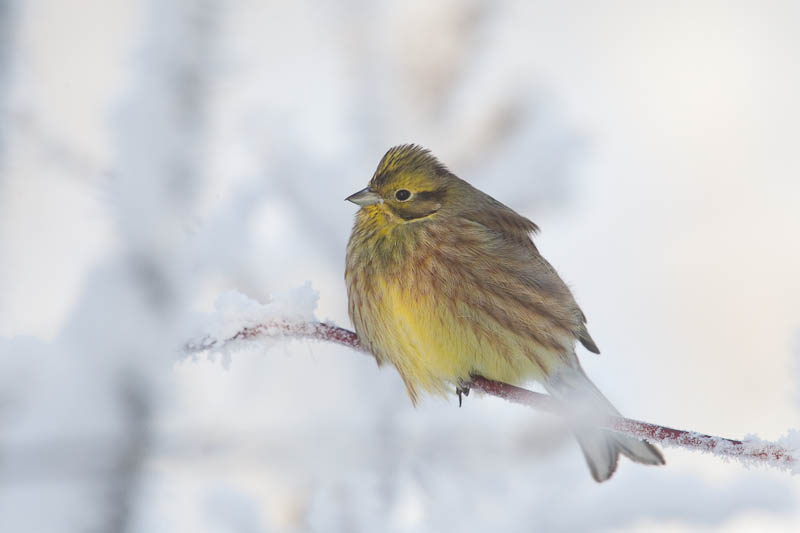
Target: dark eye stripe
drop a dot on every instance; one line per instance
(435, 196)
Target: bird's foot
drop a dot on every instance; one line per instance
(462, 389)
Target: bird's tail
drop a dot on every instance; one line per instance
(600, 447)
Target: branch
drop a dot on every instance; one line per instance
(750, 452)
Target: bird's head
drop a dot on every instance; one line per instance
(409, 183)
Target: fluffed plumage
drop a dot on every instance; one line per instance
(444, 282)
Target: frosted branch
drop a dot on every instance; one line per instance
(749, 451)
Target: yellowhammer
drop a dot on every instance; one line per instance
(445, 282)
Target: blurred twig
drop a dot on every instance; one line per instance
(747, 451)
(132, 455)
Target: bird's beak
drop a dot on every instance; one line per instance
(364, 197)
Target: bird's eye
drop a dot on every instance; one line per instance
(402, 195)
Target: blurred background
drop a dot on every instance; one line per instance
(154, 155)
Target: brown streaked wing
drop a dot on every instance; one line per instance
(505, 278)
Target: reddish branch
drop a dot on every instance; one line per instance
(747, 451)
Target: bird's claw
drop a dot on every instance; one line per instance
(462, 389)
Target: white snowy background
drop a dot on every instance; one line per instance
(160, 160)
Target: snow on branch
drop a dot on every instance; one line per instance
(750, 451)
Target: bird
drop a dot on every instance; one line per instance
(445, 283)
